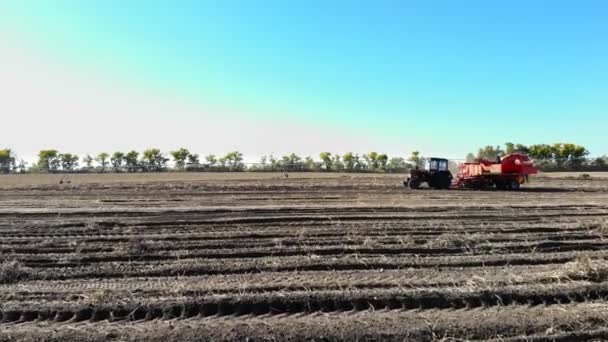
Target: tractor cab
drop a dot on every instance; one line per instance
(435, 173)
(436, 164)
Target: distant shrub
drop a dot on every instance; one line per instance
(585, 176)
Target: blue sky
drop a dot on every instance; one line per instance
(443, 77)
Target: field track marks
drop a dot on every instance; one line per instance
(540, 322)
(259, 283)
(194, 267)
(308, 302)
(344, 257)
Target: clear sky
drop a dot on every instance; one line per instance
(442, 77)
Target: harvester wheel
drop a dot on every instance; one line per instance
(414, 183)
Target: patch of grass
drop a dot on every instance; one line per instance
(371, 243)
(138, 246)
(106, 296)
(12, 271)
(463, 241)
(135, 246)
(278, 243)
(407, 241)
(597, 228)
(586, 268)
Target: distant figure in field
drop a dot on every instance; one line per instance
(285, 174)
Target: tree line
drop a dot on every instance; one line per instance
(150, 160)
(548, 157)
(153, 160)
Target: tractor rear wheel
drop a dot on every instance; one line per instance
(441, 180)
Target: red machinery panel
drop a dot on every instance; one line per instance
(470, 170)
(518, 163)
(483, 167)
(510, 164)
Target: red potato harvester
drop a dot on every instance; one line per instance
(506, 173)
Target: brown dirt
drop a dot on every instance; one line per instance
(315, 256)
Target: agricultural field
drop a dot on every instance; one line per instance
(314, 256)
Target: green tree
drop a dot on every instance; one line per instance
(490, 152)
(69, 162)
(193, 162)
(103, 161)
(326, 160)
(600, 163)
(541, 152)
(579, 152)
(396, 164)
(558, 153)
(509, 148)
(21, 166)
(292, 162)
(263, 162)
(470, 158)
(415, 159)
(234, 161)
(223, 163)
(211, 161)
(88, 162)
(117, 159)
(295, 161)
(310, 163)
(153, 160)
(337, 164)
(131, 160)
(285, 163)
(349, 161)
(371, 159)
(274, 163)
(570, 155)
(179, 157)
(48, 160)
(382, 160)
(519, 148)
(7, 161)
(359, 164)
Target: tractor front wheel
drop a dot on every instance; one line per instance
(414, 183)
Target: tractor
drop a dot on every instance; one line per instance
(504, 173)
(435, 174)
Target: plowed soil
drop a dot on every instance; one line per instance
(314, 256)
